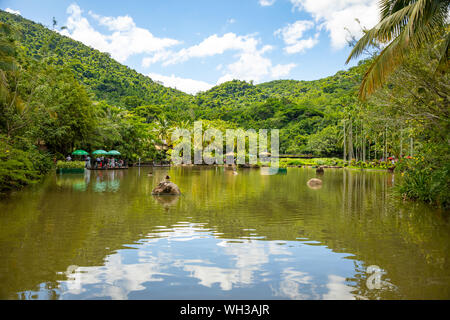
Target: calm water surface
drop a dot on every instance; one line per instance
(102, 235)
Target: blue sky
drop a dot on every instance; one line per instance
(194, 45)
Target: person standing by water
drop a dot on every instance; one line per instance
(69, 158)
(88, 162)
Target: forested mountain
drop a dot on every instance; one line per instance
(298, 108)
(318, 92)
(121, 86)
(103, 76)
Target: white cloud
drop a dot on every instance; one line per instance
(251, 64)
(186, 85)
(126, 39)
(282, 70)
(266, 3)
(254, 67)
(231, 21)
(12, 11)
(292, 36)
(337, 16)
(159, 56)
(303, 45)
(214, 45)
(121, 23)
(293, 32)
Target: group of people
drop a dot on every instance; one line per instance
(101, 162)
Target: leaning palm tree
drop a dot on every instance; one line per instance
(404, 25)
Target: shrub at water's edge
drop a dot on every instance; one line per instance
(426, 177)
(312, 162)
(20, 167)
(70, 165)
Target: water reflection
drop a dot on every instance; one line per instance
(102, 235)
(106, 181)
(166, 201)
(338, 289)
(102, 181)
(131, 273)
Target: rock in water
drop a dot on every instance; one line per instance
(314, 183)
(166, 187)
(319, 170)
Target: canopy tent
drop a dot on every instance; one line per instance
(98, 152)
(80, 153)
(113, 153)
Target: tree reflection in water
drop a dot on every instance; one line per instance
(227, 236)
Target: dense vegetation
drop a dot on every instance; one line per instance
(106, 78)
(58, 95)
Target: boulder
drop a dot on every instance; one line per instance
(314, 183)
(319, 170)
(166, 187)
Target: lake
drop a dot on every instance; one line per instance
(102, 235)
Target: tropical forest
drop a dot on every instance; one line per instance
(379, 128)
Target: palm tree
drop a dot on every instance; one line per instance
(162, 129)
(404, 25)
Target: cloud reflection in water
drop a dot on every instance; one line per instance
(188, 259)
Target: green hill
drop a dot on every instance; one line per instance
(298, 108)
(321, 93)
(119, 85)
(103, 76)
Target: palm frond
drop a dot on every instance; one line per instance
(383, 32)
(387, 7)
(363, 43)
(444, 62)
(404, 25)
(380, 69)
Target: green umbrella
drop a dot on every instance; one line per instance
(113, 153)
(80, 153)
(99, 152)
